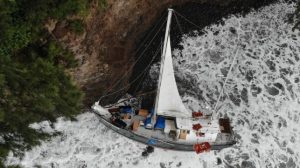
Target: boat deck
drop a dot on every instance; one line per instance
(136, 130)
(223, 140)
(223, 137)
(155, 134)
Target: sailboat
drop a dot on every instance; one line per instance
(169, 124)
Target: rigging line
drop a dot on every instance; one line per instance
(133, 80)
(139, 95)
(130, 82)
(148, 35)
(129, 69)
(221, 93)
(141, 81)
(132, 58)
(127, 72)
(178, 24)
(187, 20)
(144, 41)
(156, 52)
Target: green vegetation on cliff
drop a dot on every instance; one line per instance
(33, 83)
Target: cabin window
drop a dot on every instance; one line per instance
(185, 131)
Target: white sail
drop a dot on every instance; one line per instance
(169, 102)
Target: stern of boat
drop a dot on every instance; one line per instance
(226, 137)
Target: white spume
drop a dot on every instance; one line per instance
(169, 101)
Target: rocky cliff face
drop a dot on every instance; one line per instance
(111, 35)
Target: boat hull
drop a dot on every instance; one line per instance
(158, 143)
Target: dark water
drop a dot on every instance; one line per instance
(201, 15)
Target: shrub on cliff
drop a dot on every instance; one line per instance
(33, 83)
(76, 26)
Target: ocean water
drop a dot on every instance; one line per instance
(262, 99)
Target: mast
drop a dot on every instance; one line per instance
(167, 33)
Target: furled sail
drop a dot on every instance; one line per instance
(168, 101)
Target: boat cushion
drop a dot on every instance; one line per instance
(125, 109)
(160, 123)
